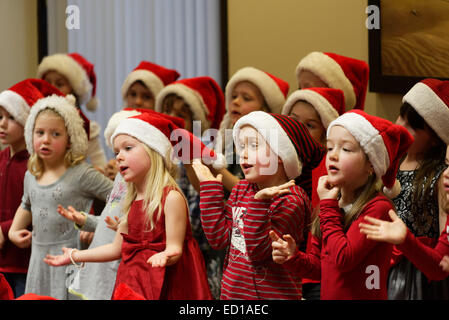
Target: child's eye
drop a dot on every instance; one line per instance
(329, 148)
(56, 134)
(346, 150)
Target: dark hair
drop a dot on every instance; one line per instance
(433, 158)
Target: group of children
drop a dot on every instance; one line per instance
(249, 193)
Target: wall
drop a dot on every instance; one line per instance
(275, 35)
(18, 31)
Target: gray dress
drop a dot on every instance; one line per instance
(77, 187)
(96, 281)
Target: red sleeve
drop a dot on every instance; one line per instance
(307, 265)
(284, 215)
(350, 248)
(216, 216)
(425, 258)
(6, 225)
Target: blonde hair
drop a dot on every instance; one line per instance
(160, 175)
(35, 164)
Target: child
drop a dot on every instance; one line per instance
(362, 149)
(57, 142)
(199, 101)
(420, 203)
(273, 149)
(160, 258)
(325, 69)
(73, 74)
(427, 259)
(139, 91)
(15, 104)
(316, 108)
(249, 89)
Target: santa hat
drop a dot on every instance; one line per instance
(155, 77)
(172, 142)
(79, 72)
(76, 123)
(288, 138)
(383, 142)
(18, 99)
(202, 94)
(339, 72)
(430, 98)
(273, 89)
(328, 102)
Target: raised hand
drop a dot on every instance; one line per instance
(111, 169)
(71, 214)
(112, 223)
(203, 172)
(163, 258)
(325, 190)
(271, 192)
(283, 249)
(60, 260)
(392, 232)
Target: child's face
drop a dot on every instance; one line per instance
(11, 132)
(347, 165)
(59, 81)
(307, 79)
(245, 98)
(446, 175)
(423, 138)
(257, 160)
(305, 113)
(138, 96)
(132, 159)
(50, 138)
(181, 110)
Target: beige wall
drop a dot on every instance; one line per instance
(274, 35)
(18, 31)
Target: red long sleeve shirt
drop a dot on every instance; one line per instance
(242, 225)
(425, 258)
(12, 173)
(351, 266)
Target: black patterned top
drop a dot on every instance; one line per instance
(425, 221)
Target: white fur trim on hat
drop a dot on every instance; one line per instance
(75, 74)
(430, 106)
(369, 139)
(64, 106)
(113, 122)
(146, 133)
(270, 129)
(16, 105)
(270, 90)
(191, 97)
(150, 79)
(329, 71)
(326, 111)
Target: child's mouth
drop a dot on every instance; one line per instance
(45, 151)
(333, 169)
(123, 169)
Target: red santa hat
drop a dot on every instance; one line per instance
(202, 94)
(328, 102)
(79, 72)
(160, 133)
(155, 77)
(75, 121)
(430, 98)
(18, 99)
(339, 72)
(288, 138)
(383, 142)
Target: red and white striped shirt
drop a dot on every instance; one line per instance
(242, 225)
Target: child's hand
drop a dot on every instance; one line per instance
(325, 190)
(71, 214)
(111, 169)
(21, 238)
(270, 193)
(392, 232)
(282, 249)
(444, 264)
(164, 258)
(112, 223)
(61, 260)
(203, 173)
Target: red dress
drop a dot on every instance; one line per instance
(185, 280)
